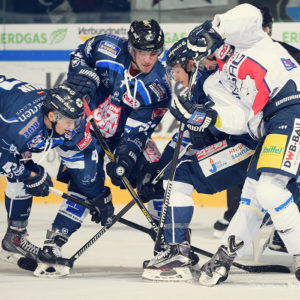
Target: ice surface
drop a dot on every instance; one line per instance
(111, 268)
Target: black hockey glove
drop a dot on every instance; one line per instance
(121, 167)
(202, 139)
(197, 117)
(146, 190)
(103, 208)
(39, 184)
(204, 39)
(85, 82)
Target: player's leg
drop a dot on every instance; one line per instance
(18, 206)
(85, 181)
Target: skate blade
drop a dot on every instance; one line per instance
(10, 257)
(175, 274)
(51, 271)
(216, 278)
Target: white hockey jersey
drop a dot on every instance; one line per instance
(257, 70)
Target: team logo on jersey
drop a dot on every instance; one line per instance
(30, 128)
(109, 49)
(288, 64)
(130, 101)
(158, 90)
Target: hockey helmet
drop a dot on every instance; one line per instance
(146, 35)
(180, 54)
(65, 103)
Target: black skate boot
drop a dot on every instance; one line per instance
(15, 245)
(50, 260)
(220, 227)
(216, 269)
(296, 266)
(276, 243)
(171, 264)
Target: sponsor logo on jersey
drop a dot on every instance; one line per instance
(36, 140)
(225, 159)
(130, 101)
(151, 151)
(272, 152)
(109, 49)
(291, 157)
(159, 112)
(288, 64)
(85, 141)
(107, 116)
(208, 151)
(158, 89)
(240, 152)
(30, 128)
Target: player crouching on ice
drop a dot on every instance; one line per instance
(223, 138)
(31, 120)
(266, 79)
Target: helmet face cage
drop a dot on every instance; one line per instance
(145, 35)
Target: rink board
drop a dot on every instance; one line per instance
(122, 196)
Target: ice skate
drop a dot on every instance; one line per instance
(50, 261)
(171, 264)
(296, 266)
(216, 269)
(276, 243)
(15, 245)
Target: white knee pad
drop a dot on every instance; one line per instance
(181, 194)
(275, 197)
(72, 210)
(271, 191)
(16, 191)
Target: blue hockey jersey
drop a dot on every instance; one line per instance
(22, 127)
(126, 108)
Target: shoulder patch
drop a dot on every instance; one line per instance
(158, 89)
(109, 49)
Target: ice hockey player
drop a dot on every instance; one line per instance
(31, 120)
(128, 99)
(265, 78)
(216, 161)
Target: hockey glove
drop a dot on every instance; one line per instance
(204, 39)
(197, 117)
(202, 139)
(85, 82)
(39, 184)
(146, 190)
(103, 208)
(121, 167)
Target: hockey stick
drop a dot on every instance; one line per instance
(158, 240)
(248, 268)
(89, 243)
(162, 171)
(105, 147)
(71, 198)
(31, 265)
